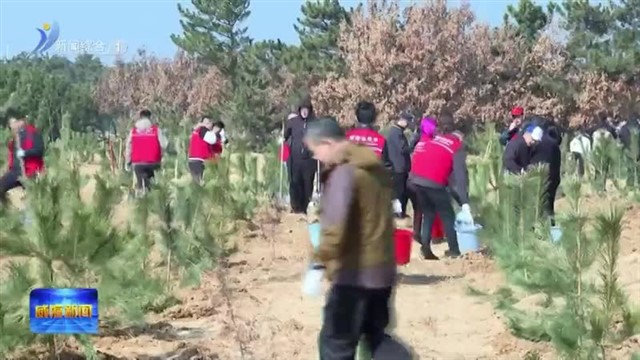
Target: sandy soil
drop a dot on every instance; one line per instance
(270, 319)
(255, 310)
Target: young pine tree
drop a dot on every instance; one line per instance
(578, 313)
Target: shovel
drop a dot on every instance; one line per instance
(282, 201)
(27, 218)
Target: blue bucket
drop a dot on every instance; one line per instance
(314, 234)
(556, 234)
(468, 237)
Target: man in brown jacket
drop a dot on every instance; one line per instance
(356, 246)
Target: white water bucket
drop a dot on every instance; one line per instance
(556, 234)
(467, 237)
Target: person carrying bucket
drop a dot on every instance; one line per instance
(356, 249)
(428, 127)
(439, 163)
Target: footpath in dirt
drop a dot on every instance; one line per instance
(260, 314)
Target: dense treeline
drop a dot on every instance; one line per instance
(571, 60)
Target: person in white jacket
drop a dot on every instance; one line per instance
(580, 148)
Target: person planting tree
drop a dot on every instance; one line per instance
(517, 115)
(144, 148)
(517, 154)
(202, 146)
(439, 163)
(25, 156)
(357, 249)
(548, 152)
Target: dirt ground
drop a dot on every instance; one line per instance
(258, 311)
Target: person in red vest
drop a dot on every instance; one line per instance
(205, 145)
(437, 164)
(428, 127)
(144, 148)
(517, 114)
(26, 155)
(364, 133)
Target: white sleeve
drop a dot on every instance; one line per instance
(210, 137)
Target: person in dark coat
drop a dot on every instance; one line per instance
(302, 167)
(517, 114)
(548, 152)
(400, 156)
(517, 153)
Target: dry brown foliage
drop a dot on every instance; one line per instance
(432, 57)
(178, 87)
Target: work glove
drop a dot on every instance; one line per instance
(312, 282)
(464, 216)
(397, 207)
(20, 153)
(280, 141)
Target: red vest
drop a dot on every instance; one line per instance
(433, 158)
(198, 148)
(145, 145)
(217, 149)
(32, 165)
(369, 138)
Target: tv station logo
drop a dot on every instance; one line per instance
(63, 311)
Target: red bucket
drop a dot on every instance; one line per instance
(403, 240)
(437, 230)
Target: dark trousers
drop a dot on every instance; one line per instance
(196, 168)
(549, 198)
(400, 190)
(349, 314)
(144, 175)
(302, 172)
(10, 180)
(580, 160)
(437, 201)
(417, 212)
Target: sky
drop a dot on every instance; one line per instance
(107, 28)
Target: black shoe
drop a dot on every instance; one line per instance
(452, 254)
(427, 254)
(437, 241)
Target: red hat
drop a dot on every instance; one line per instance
(517, 111)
